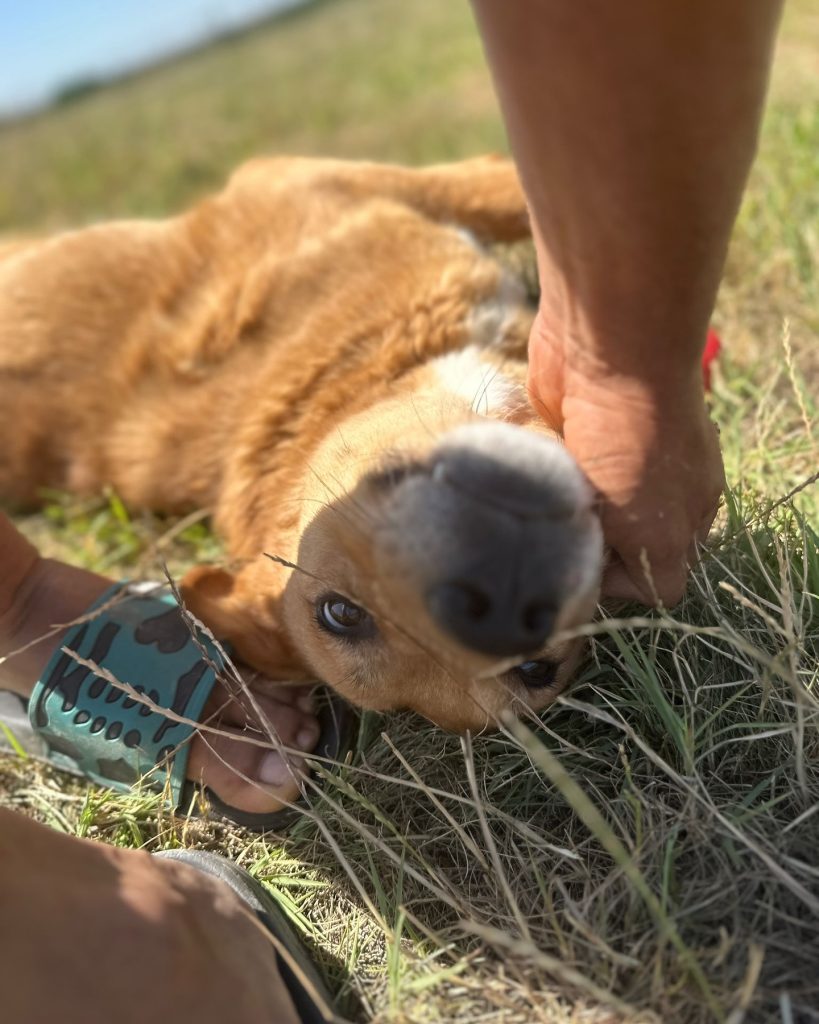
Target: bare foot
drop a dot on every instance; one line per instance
(246, 776)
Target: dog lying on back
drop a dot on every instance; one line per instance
(324, 355)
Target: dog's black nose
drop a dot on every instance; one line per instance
(497, 536)
(516, 529)
(515, 485)
(483, 619)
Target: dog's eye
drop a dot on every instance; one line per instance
(338, 615)
(536, 674)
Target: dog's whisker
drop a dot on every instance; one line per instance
(489, 377)
(424, 426)
(343, 498)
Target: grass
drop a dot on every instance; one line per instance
(645, 852)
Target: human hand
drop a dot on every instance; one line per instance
(649, 448)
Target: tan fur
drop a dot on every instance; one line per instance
(257, 356)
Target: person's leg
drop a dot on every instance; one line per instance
(634, 126)
(90, 932)
(37, 595)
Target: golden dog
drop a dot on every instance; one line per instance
(325, 355)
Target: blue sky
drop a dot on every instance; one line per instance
(46, 43)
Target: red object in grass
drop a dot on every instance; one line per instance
(713, 347)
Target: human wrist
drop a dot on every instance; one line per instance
(49, 595)
(626, 322)
(670, 388)
(650, 365)
(18, 557)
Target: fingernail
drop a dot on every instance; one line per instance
(305, 739)
(273, 770)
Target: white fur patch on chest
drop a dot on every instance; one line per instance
(475, 375)
(479, 382)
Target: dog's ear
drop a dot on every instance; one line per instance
(236, 612)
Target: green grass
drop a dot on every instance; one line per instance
(648, 850)
(350, 78)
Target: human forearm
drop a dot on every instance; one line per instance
(634, 126)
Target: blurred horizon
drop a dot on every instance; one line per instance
(50, 47)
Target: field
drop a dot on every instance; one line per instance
(649, 852)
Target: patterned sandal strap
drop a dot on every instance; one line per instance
(114, 738)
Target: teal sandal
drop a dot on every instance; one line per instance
(120, 698)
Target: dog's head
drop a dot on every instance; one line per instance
(438, 551)
(433, 537)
